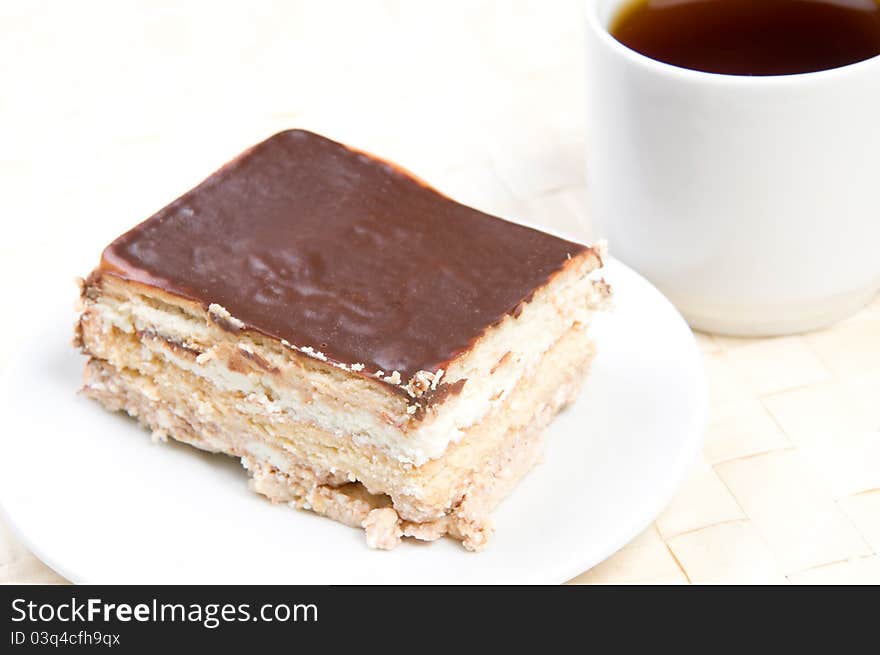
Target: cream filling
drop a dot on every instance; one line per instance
(519, 345)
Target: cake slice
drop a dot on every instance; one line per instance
(372, 350)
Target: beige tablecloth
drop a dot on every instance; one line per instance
(112, 109)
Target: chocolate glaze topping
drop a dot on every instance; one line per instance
(304, 239)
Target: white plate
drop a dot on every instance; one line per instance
(96, 500)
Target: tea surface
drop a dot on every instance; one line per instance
(751, 37)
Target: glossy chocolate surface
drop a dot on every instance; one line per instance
(304, 239)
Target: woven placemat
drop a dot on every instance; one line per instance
(788, 486)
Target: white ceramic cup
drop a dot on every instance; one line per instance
(753, 203)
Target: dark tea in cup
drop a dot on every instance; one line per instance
(751, 37)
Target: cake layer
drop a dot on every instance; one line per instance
(280, 432)
(304, 239)
(311, 469)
